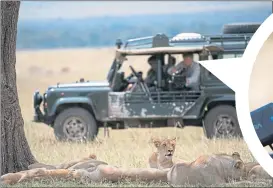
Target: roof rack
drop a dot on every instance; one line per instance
(159, 40)
(232, 43)
(229, 42)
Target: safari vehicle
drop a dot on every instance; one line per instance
(77, 110)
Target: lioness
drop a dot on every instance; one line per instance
(86, 170)
(162, 158)
(64, 170)
(65, 165)
(208, 170)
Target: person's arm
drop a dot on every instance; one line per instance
(194, 78)
(170, 70)
(175, 68)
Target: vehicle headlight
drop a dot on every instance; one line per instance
(37, 98)
(45, 96)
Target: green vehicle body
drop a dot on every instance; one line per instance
(160, 108)
(94, 96)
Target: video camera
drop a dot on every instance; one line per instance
(177, 80)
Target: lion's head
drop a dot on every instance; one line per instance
(165, 147)
(234, 165)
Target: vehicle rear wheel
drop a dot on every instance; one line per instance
(240, 28)
(75, 124)
(221, 121)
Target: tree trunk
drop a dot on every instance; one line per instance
(15, 151)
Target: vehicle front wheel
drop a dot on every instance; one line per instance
(221, 122)
(75, 124)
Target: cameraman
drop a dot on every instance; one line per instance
(190, 69)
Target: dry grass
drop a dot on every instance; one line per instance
(126, 148)
(129, 147)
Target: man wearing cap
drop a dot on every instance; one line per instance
(191, 70)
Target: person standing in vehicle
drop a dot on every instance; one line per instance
(191, 70)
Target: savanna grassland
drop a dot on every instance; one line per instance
(126, 148)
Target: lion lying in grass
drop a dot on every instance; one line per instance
(87, 169)
(208, 170)
(162, 158)
(205, 170)
(215, 169)
(76, 164)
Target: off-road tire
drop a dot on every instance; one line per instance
(240, 28)
(213, 114)
(86, 116)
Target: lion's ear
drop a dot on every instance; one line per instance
(239, 165)
(156, 142)
(236, 155)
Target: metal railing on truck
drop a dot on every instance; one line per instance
(231, 43)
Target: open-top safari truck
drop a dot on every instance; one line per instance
(77, 110)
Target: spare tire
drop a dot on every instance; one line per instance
(239, 28)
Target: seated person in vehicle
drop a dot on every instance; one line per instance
(151, 77)
(190, 69)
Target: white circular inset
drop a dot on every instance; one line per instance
(242, 99)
